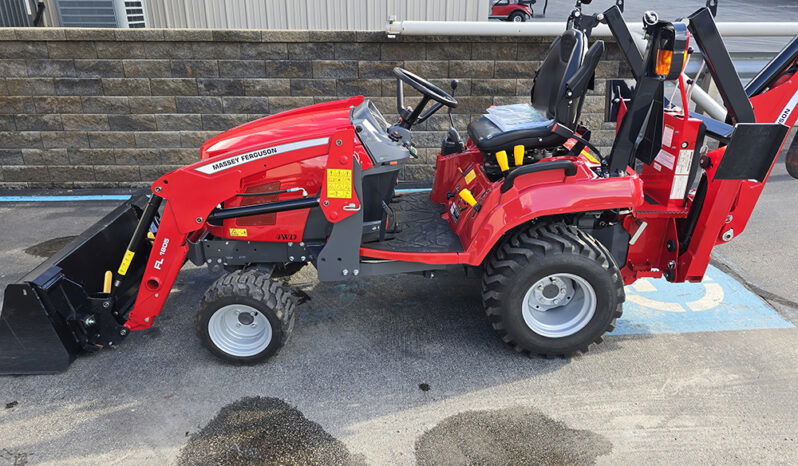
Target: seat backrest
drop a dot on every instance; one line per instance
(562, 62)
(581, 80)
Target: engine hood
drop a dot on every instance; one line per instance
(294, 125)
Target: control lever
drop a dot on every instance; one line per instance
(453, 143)
(454, 89)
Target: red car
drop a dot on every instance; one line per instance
(510, 10)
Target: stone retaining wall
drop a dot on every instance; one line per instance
(111, 108)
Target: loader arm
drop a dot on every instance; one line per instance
(192, 193)
(164, 263)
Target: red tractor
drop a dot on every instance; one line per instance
(511, 10)
(555, 227)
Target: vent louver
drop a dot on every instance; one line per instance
(102, 13)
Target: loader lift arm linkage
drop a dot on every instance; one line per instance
(192, 198)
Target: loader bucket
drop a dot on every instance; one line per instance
(43, 324)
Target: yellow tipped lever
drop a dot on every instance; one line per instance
(501, 157)
(518, 154)
(107, 281)
(466, 195)
(589, 156)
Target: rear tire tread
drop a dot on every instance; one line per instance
(522, 249)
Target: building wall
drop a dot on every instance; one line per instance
(14, 14)
(297, 14)
(307, 14)
(120, 107)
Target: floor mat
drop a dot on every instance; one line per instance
(421, 228)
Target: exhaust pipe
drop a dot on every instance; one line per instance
(63, 307)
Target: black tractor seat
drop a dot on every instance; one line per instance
(490, 138)
(560, 85)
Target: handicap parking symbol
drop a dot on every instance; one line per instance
(719, 303)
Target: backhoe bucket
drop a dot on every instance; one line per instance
(58, 311)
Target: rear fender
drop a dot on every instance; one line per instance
(533, 197)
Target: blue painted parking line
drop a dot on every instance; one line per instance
(717, 304)
(97, 197)
(412, 190)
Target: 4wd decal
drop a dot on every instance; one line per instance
(220, 165)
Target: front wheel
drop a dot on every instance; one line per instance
(552, 290)
(245, 317)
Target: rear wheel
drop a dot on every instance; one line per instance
(518, 17)
(245, 317)
(552, 290)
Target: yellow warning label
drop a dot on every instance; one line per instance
(126, 262)
(339, 183)
(469, 177)
(239, 232)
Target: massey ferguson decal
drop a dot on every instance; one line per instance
(785, 114)
(235, 160)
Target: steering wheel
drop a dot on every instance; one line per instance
(429, 92)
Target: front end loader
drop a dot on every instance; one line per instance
(555, 227)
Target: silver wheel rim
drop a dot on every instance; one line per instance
(559, 305)
(518, 19)
(240, 330)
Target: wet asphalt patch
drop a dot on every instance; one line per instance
(264, 431)
(516, 435)
(49, 247)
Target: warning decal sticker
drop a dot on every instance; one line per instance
(238, 232)
(339, 183)
(126, 262)
(469, 177)
(666, 159)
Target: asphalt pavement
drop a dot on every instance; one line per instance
(404, 369)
